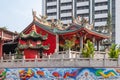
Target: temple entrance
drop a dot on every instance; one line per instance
(69, 41)
(75, 40)
(9, 50)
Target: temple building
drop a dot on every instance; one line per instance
(45, 38)
(41, 37)
(6, 38)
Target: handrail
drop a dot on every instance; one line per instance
(62, 61)
(58, 62)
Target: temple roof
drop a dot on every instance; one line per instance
(10, 32)
(33, 35)
(45, 27)
(82, 30)
(73, 28)
(39, 46)
(56, 28)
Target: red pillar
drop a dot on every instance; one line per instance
(1, 48)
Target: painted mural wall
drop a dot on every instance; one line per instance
(61, 73)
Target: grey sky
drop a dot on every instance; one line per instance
(17, 14)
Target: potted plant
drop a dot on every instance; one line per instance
(19, 54)
(88, 50)
(114, 51)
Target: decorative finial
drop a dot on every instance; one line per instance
(53, 25)
(79, 18)
(68, 24)
(34, 14)
(73, 19)
(53, 20)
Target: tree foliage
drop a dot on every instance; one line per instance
(88, 50)
(69, 44)
(109, 26)
(19, 54)
(114, 51)
(109, 22)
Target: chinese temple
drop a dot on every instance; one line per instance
(6, 37)
(43, 37)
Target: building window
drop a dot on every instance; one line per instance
(101, 11)
(83, 15)
(82, 0)
(51, 0)
(51, 14)
(100, 19)
(66, 11)
(66, 4)
(66, 18)
(50, 20)
(101, 3)
(51, 7)
(82, 7)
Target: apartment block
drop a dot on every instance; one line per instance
(96, 11)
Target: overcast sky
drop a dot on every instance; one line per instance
(17, 14)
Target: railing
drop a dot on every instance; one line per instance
(62, 54)
(60, 62)
(62, 59)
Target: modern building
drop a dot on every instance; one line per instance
(96, 11)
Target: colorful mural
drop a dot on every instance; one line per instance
(60, 74)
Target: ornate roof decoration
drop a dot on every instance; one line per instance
(33, 35)
(58, 27)
(57, 24)
(38, 46)
(43, 20)
(83, 22)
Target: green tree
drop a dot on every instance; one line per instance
(69, 44)
(88, 50)
(114, 51)
(109, 22)
(19, 54)
(109, 25)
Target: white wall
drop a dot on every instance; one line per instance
(43, 7)
(117, 39)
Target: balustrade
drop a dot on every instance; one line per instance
(60, 62)
(63, 60)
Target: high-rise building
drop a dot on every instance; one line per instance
(96, 11)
